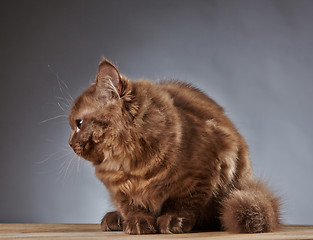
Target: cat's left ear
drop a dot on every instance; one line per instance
(108, 75)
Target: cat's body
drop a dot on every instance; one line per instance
(170, 158)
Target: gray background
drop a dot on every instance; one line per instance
(255, 58)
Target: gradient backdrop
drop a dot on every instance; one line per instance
(255, 58)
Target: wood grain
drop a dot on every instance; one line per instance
(92, 231)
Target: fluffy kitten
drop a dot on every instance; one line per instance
(170, 158)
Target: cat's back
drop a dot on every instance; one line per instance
(192, 101)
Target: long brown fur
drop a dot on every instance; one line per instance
(170, 158)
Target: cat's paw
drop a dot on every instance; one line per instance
(112, 221)
(139, 224)
(174, 224)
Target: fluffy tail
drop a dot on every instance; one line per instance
(253, 209)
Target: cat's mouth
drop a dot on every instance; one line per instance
(81, 148)
(78, 150)
(85, 150)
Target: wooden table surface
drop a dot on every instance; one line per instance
(92, 231)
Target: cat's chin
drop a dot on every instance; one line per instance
(95, 160)
(96, 163)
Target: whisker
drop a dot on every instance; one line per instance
(63, 166)
(64, 84)
(67, 147)
(70, 96)
(67, 168)
(53, 154)
(62, 100)
(78, 164)
(49, 119)
(57, 75)
(61, 90)
(61, 107)
(64, 107)
(61, 84)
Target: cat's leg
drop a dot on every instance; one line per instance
(112, 221)
(136, 219)
(179, 215)
(251, 209)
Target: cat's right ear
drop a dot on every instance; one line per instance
(108, 77)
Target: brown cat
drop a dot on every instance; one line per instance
(170, 158)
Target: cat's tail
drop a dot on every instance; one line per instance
(252, 209)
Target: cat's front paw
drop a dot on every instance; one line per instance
(174, 224)
(139, 224)
(112, 221)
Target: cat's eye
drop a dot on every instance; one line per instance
(79, 123)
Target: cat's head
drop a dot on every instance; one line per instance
(96, 113)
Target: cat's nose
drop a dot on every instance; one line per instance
(70, 142)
